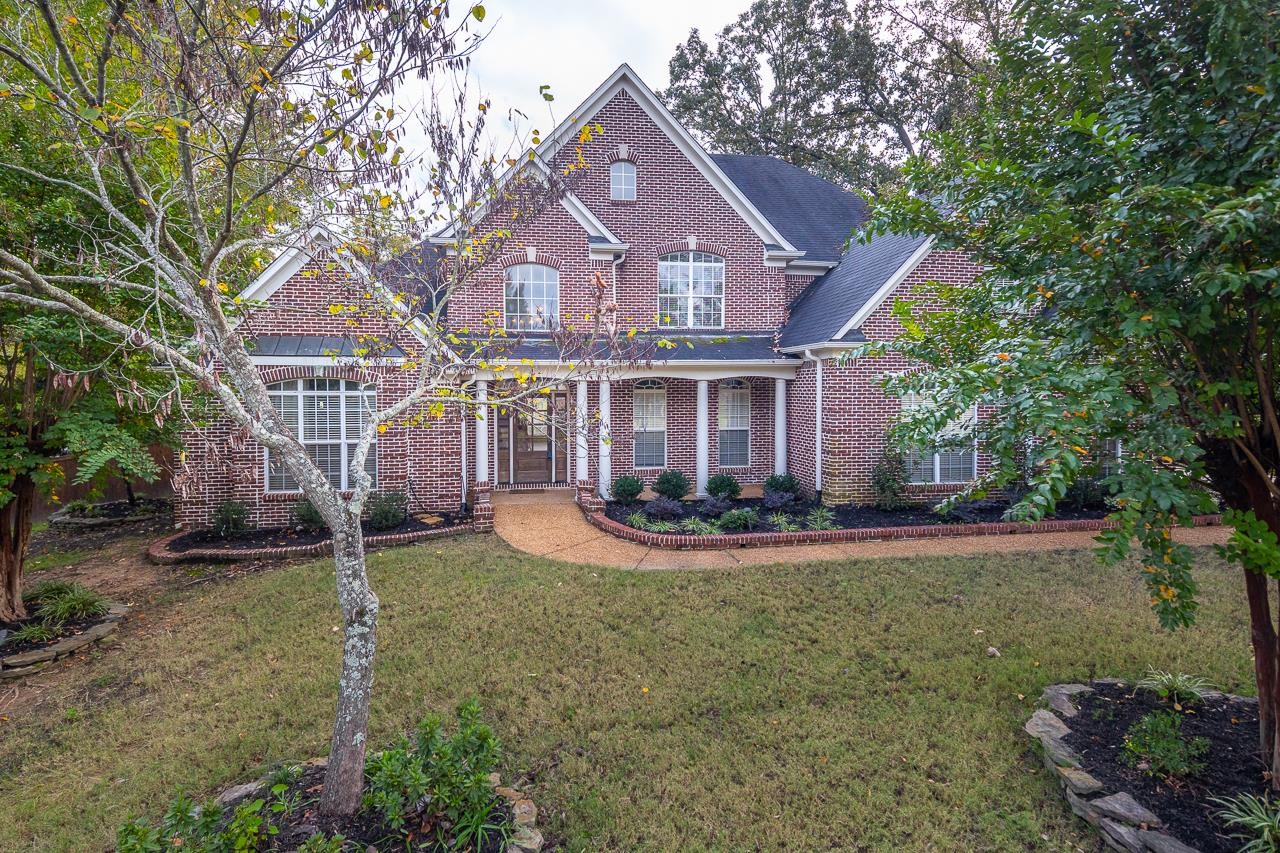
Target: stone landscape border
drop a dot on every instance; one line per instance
(1121, 820)
(682, 541)
(158, 552)
(526, 839)
(62, 518)
(25, 663)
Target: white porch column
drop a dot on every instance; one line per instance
(779, 426)
(604, 465)
(701, 442)
(582, 466)
(482, 432)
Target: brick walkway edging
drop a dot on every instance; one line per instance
(158, 552)
(681, 541)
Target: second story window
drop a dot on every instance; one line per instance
(622, 180)
(691, 291)
(533, 298)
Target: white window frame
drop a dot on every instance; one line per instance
(1110, 459)
(732, 389)
(544, 315)
(622, 180)
(912, 401)
(657, 389)
(298, 390)
(690, 264)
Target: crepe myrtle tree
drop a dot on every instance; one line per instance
(1121, 184)
(212, 135)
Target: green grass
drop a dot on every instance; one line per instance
(53, 560)
(844, 705)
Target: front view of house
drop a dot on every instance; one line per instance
(741, 258)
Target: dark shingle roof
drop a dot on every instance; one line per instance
(826, 305)
(309, 345)
(722, 346)
(814, 215)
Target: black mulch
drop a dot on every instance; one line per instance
(279, 537)
(366, 830)
(856, 516)
(1231, 765)
(66, 629)
(121, 509)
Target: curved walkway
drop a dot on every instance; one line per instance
(549, 524)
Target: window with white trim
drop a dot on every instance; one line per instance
(953, 459)
(326, 416)
(649, 413)
(622, 180)
(733, 405)
(533, 298)
(1109, 459)
(691, 291)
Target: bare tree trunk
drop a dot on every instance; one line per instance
(15, 531)
(344, 777)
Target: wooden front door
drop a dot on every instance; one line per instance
(532, 442)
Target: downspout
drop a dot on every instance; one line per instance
(462, 423)
(817, 422)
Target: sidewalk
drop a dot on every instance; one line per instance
(549, 524)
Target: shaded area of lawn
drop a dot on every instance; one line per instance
(843, 705)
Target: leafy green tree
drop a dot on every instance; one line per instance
(847, 91)
(1121, 183)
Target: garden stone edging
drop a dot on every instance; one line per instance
(25, 663)
(62, 519)
(158, 552)
(526, 838)
(1122, 821)
(682, 541)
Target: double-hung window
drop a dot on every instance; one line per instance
(691, 291)
(733, 403)
(533, 298)
(649, 408)
(326, 416)
(1109, 458)
(952, 459)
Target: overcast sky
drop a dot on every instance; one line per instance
(573, 46)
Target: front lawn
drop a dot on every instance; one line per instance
(847, 705)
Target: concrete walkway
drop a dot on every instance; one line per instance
(549, 524)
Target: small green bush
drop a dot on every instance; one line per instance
(79, 602)
(783, 522)
(627, 488)
(388, 510)
(820, 518)
(1156, 741)
(740, 519)
(47, 591)
(638, 520)
(1174, 687)
(889, 480)
(306, 516)
(723, 486)
(33, 632)
(697, 527)
(672, 484)
(1086, 493)
(230, 518)
(786, 483)
(197, 826)
(663, 527)
(1258, 818)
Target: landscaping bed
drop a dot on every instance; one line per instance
(286, 537)
(1145, 768)
(64, 617)
(80, 514)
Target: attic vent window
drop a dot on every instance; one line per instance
(622, 181)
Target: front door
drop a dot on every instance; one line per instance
(532, 442)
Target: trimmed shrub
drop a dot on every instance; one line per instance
(306, 516)
(627, 488)
(889, 480)
(740, 519)
(1086, 493)
(672, 484)
(388, 510)
(723, 486)
(783, 483)
(663, 508)
(230, 518)
(714, 506)
(775, 500)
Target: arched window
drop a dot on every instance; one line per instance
(733, 403)
(533, 298)
(691, 290)
(327, 416)
(622, 180)
(649, 413)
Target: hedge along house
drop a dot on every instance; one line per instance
(740, 267)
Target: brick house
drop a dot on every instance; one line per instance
(743, 257)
